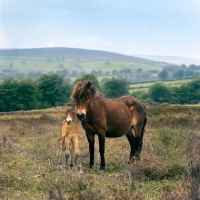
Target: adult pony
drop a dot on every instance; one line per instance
(69, 137)
(109, 118)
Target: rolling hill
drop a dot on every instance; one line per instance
(73, 62)
(171, 59)
(74, 53)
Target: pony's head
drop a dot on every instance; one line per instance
(70, 112)
(82, 94)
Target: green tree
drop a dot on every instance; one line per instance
(194, 91)
(55, 90)
(139, 70)
(27, 94)
(114, 88)
(74, 73)
(104, 80)
(163, 75)
(18, 94)
(159, 93)
(142, 95)
(8, 94)
(187, 93)
(189, 73)
(179, 73)
(114, 72)
(90, 77)
(94, 72)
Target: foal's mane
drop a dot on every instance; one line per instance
(69, 104)
(83, 90)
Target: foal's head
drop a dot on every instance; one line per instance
(70, 113)
(82, 94)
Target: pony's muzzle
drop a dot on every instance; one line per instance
(80, 116)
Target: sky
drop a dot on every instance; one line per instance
(131, 27)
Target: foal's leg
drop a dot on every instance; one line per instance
(131, 140)
(102, 151)
(62, 148)
(67, 150)
(91, 141)
(71, 147)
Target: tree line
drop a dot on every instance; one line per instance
(51, 90)
(187, 93)
(179, 72)
(48, 90)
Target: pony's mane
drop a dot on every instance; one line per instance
(83, 90)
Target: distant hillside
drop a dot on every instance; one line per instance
(171, 59)
(75, 53)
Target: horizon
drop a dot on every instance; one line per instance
(125, 27)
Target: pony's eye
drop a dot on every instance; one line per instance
(87, 97)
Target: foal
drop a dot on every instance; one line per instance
(69, 137)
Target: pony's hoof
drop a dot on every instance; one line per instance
(80, 172)
(72, 164)
(102, 169)
(130, 162)
(90, 166)
(133, 159)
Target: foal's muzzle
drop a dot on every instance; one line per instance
(69, 121)
(80, 116)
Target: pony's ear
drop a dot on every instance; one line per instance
(89, 83)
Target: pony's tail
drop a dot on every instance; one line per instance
(143, 127)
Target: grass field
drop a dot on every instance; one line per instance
(41, 64)
(145, 86)
(169, 168)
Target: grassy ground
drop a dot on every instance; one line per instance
(169, 168)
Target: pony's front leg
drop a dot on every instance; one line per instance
(102, 151)
(77, 153)
(91, 141)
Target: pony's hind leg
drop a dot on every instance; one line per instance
(131, 140)
(139, 132)
(77, 152)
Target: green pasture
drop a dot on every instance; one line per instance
(145, 86)
(33, 63)
(116, 65)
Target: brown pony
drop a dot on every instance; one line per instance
(109, 118)
(69, 137)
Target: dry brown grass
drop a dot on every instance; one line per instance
(169, 168)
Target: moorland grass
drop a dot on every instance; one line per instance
(169, 168)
